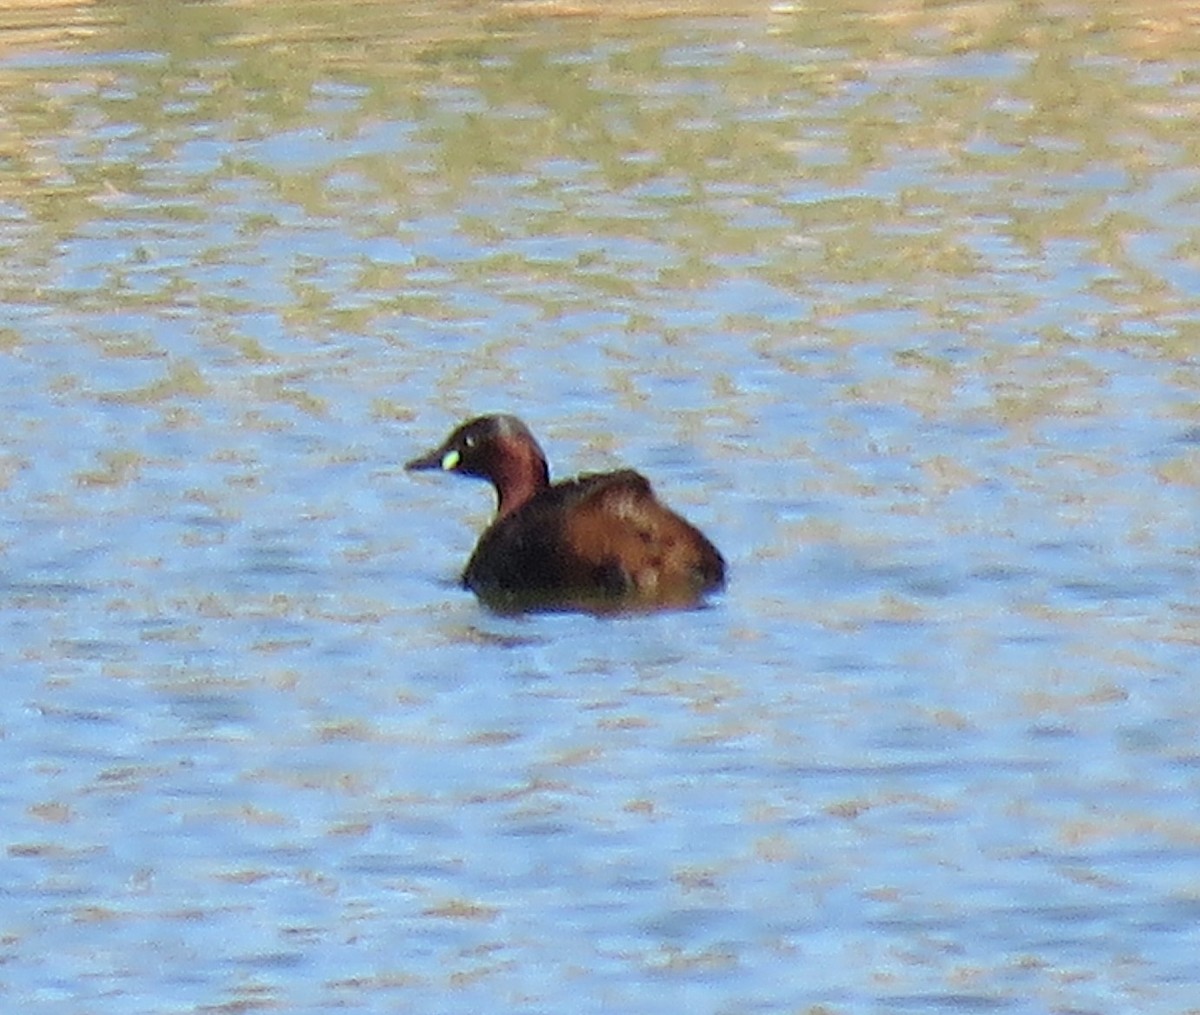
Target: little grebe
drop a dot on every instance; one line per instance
(600, 541)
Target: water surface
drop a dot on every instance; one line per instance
(902, 307)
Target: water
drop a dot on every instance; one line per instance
(900, 306)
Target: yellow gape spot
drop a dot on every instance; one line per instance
(450, 460)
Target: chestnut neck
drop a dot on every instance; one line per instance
(518, 473)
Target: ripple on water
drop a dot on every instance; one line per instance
(907, 334)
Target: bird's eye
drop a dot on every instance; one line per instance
(469, 441)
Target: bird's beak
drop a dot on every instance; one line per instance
(438, 458)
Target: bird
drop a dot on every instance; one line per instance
(601, 542)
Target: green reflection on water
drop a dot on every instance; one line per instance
(850, 159)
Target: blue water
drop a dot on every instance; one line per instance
(914, 346)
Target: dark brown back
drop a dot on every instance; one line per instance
(619, 525)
